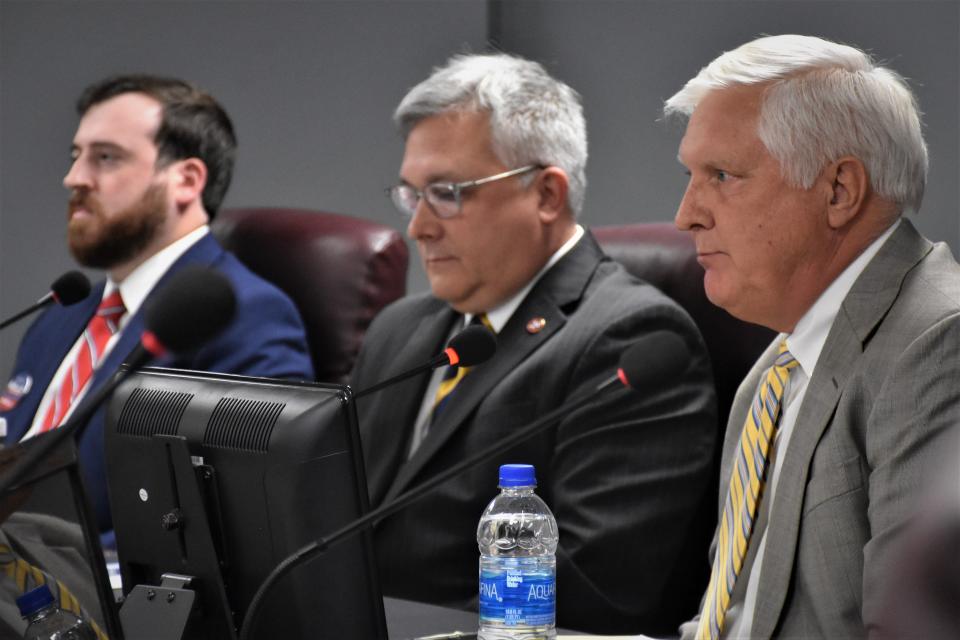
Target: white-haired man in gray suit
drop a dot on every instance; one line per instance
(803, 156)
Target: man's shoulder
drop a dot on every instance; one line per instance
(615, 295)
(929, 294)
(937, 278)
(252, 291)
(416, 305)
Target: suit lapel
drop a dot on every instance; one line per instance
(550, 299)
(388, 447)
(70, 321)
(862, 310)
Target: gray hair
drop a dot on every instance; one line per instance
(534, 118)
(824, 100)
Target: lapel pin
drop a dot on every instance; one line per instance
(536, 325)
(18, 387)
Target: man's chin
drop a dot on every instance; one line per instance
(717, 292)
(454, 296)
(94, 255)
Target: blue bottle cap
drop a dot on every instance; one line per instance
(517, 475)
(34, 600)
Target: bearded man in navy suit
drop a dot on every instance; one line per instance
(151, 161)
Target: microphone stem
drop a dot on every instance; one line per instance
(44, 301)
(322, 544)
(438, 361)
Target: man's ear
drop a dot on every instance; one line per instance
(552, 186)
(189, 177)
(849, 186)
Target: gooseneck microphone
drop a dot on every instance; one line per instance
(68, 289)
(664, 350)
(192, 307)
(473, 345)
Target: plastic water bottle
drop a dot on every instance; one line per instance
(47, 621)
(518, 538)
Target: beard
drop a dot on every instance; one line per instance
(103, 242)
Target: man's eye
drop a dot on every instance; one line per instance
(442, 193)
(722, 176)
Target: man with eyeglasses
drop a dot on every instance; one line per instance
(491, 183)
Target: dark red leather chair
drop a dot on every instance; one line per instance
(339, 271)
(665, 257)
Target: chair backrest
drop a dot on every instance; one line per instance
(666, 258)
(339, 271)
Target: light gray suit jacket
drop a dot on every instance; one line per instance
(877, 413)
(57, 547)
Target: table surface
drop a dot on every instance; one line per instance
(408, 620)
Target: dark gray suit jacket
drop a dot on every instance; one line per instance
(623, 476)
(878, 410)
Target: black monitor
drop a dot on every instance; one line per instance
(221, 477)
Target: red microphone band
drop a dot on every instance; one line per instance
(152, 344)
(56, 298)
(623, 377)
(452, 355)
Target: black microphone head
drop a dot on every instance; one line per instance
(70, 288)
(196, 304)
(473, 345)
(657, 355)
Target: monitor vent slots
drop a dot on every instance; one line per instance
(239, 423)
(149, 412)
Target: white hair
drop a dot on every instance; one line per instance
(824, 100)
(534, 118)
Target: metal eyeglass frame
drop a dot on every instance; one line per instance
(454, 188)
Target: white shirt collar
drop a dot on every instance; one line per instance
(137, 286)
(500, 315)
(808, 337)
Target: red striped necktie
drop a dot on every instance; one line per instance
(102, 326)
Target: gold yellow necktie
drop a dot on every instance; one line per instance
(27, 576)
(743, 495)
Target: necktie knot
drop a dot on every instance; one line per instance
(481, 318)
(785, 359)
(112, 308)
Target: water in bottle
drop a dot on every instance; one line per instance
(518, 538)
(47, 621)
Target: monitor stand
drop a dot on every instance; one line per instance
(170, 610)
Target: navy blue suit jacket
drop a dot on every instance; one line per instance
(266, 338)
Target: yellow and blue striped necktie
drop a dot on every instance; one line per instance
(743, 495)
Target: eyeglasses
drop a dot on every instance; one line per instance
(444, 198)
